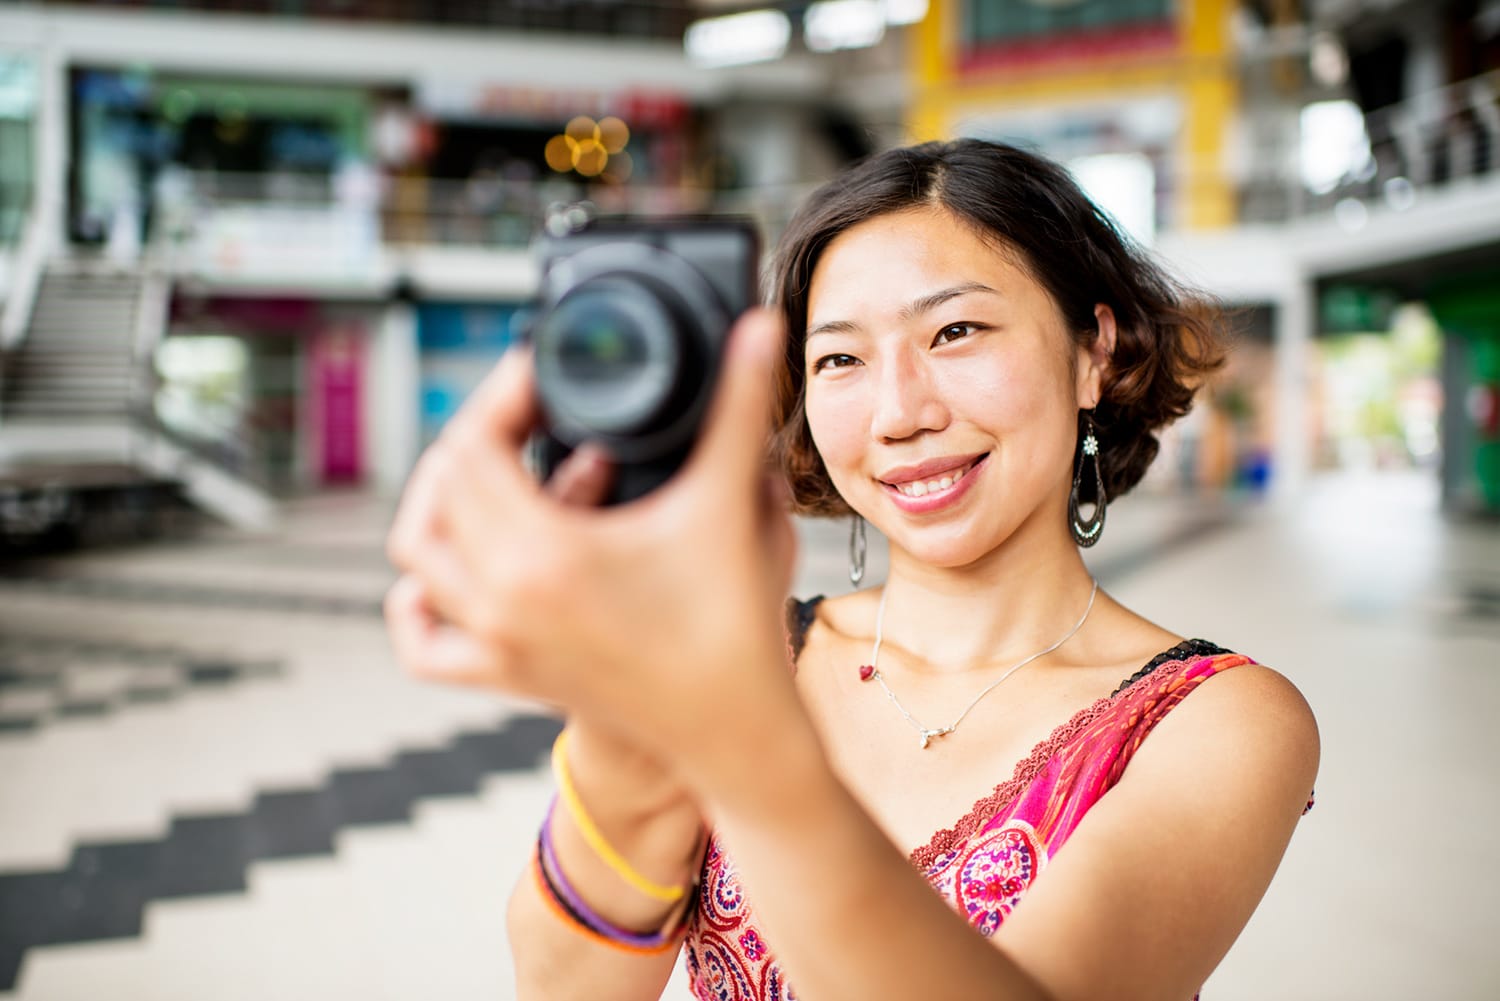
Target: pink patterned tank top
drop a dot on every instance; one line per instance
(984, 864)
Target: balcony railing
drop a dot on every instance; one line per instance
(340, 225)
(1442, 137)
(661, 19)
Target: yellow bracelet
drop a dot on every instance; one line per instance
(595, 839)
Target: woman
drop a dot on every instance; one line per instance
(969, 357)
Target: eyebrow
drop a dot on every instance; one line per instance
(916, 307)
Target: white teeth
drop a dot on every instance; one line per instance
(919, 489)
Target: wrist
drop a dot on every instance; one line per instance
(626, 840)
(621, 782)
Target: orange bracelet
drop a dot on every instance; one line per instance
(558, 908)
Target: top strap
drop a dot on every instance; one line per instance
(799, 618)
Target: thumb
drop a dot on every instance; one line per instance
(731, 447)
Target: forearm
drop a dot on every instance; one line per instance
(651, 824)
(846, 914)
(553, 962)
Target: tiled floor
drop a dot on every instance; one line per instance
(216, 784)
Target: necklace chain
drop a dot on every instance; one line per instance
(928, 733)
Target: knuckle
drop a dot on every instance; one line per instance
(398, 551)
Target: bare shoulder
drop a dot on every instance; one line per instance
(1165, 870)
(1250, 719)
(848, 616)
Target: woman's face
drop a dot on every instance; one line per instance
(942, 392)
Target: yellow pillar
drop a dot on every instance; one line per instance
(1206, 197)
(931, 55)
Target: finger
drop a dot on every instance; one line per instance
(426, 646)
(503, 409)
(731, 448)
(583, 478)
(779, 530)
(449, 589)
(416, 518)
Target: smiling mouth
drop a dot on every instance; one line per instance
(936, 484)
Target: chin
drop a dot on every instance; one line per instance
(957, 547)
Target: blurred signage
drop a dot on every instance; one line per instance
(1025, 34)
(1353, 309)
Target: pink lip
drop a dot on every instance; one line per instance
(928, 470)
(940, 499)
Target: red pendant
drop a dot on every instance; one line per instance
(866, 672)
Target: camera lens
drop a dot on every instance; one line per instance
(608, 356)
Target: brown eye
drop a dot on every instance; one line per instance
(834, 361)
(954, 331)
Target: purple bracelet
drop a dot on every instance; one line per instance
(582, 912)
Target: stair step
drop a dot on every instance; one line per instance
(118, 412)
(113, 330)
(40, 354)
(71, 391)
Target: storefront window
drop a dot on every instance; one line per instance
(147, 144)
(18, 85)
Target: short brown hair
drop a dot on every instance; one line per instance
(1169, 337)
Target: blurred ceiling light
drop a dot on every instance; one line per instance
(752, 37)
(1124, 186)
(843, 24)
(613, 134)
(559, 153)
(589, 158)
(1351, 214)
(1334, 145)
(905, 11)
(582, 129)
(1327, 60)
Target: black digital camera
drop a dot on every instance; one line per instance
(628, 338)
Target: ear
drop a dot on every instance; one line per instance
(1094, 359)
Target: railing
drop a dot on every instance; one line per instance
(348, 218)
(660, 19)
(15, 207)
(232, 447)
(1433, 139)
(322, 223)
(28, 261)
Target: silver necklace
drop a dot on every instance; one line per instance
(872, 670)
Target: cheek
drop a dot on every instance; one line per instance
(1000, 394)
(838, 422)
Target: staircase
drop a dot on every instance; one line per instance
(76, 392)
(77, 363)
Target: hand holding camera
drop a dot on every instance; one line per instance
(629, 340)
(645, 617)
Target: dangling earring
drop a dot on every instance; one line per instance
(856, 551)
(1086, 533)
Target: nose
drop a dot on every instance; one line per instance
(906, 402)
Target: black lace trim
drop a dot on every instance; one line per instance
(800, 615)
(1182, 651)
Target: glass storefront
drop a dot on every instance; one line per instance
(18, 97)
(147, 143)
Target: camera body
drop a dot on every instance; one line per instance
(628, 338)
